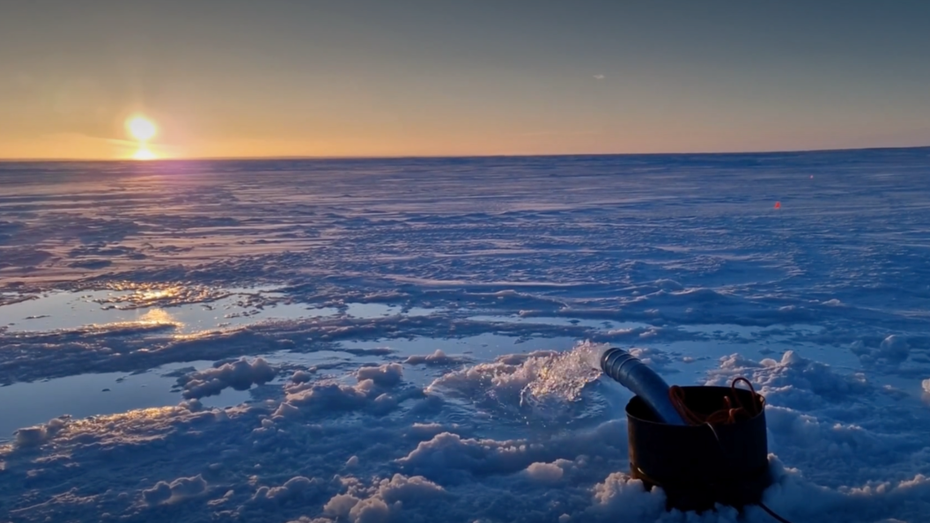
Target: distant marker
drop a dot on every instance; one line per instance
(778, 205)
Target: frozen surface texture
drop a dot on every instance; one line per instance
(411, 340)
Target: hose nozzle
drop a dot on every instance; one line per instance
(633, 374)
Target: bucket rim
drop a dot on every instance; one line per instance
(638, 419)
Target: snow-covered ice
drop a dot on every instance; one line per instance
(411, 340)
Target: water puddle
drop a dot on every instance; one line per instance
(69, 310)
(380, 310)
(28, 404)
(481, 347)
(566, 322)
(780, 332)
(187, 311)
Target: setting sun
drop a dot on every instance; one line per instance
(144, 154)
(141, 129)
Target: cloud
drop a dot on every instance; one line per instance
(599, 77)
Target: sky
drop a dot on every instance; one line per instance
(239, 78)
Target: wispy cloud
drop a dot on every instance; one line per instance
(599, 77)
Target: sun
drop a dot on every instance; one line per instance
(141, 128)
(144, 154)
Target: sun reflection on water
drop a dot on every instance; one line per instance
(158, 317)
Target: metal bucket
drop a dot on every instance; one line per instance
(699, 466)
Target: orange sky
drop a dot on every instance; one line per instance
(369, 78)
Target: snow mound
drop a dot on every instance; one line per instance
(383, 500)
(239, 375)
(438, 358)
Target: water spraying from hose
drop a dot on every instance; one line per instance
(561, 377)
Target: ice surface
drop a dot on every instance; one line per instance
(412, 340)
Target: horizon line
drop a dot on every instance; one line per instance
(450, 156)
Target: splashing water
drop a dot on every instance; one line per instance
(541, 386)
(560, 378)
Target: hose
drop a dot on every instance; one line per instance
(633, 374)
